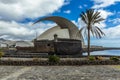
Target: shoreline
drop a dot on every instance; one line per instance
(100, 49)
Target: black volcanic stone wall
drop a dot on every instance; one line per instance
(61, 62)
(61, 47)
(68, 47)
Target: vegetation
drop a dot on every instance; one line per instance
(114, 58)
(53, 59)
(62, 62)
(90, 18)
(1, 53)
(91, 58)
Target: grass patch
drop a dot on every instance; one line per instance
(116, 66)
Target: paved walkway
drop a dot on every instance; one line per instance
(95, 72)
(16, 74)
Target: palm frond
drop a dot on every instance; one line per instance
(84, 17)
(102, 33)
(92, 31)
(98, 34)
(98, 20)
(95, 16)
(90, 17)
(80, 31)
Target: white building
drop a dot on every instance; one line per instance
(3, 45)
(24, 44)
(64, 29)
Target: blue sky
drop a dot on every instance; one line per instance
(17, 16)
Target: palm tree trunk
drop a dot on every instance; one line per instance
(88, 42)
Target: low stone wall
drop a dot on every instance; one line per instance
(25, 49)
(61, 47)
(62, 62)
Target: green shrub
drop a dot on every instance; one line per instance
(114, 58)
(53, 59)
(1, 54)
(91, 58)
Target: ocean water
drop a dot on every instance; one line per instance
(105, 52)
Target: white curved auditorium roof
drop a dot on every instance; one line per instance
(65, 29)
(49, 34)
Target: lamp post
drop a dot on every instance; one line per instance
(55, 43)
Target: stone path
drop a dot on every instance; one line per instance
(95, 72)
(16, 74)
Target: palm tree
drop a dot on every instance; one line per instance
(90, 18)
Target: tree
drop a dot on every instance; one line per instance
(90, 18)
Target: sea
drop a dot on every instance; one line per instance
(105, 52)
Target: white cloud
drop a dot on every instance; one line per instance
(99, 5)
(85, 5)
(67, 2)
(12, 11)
(111, 38)
(17, 31)
(67, 11)
(104, 13)
(80, 7)
(112, 32)
(79, 23)
(20, 9)
(115, 21)
(118, 13)
(104, 3)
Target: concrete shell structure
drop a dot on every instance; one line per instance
(62, 39)
(49, 34)
(65, 29)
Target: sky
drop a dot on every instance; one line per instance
(17, 17)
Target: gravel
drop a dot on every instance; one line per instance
(94, 72)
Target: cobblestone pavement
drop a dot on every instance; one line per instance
(99, 72)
